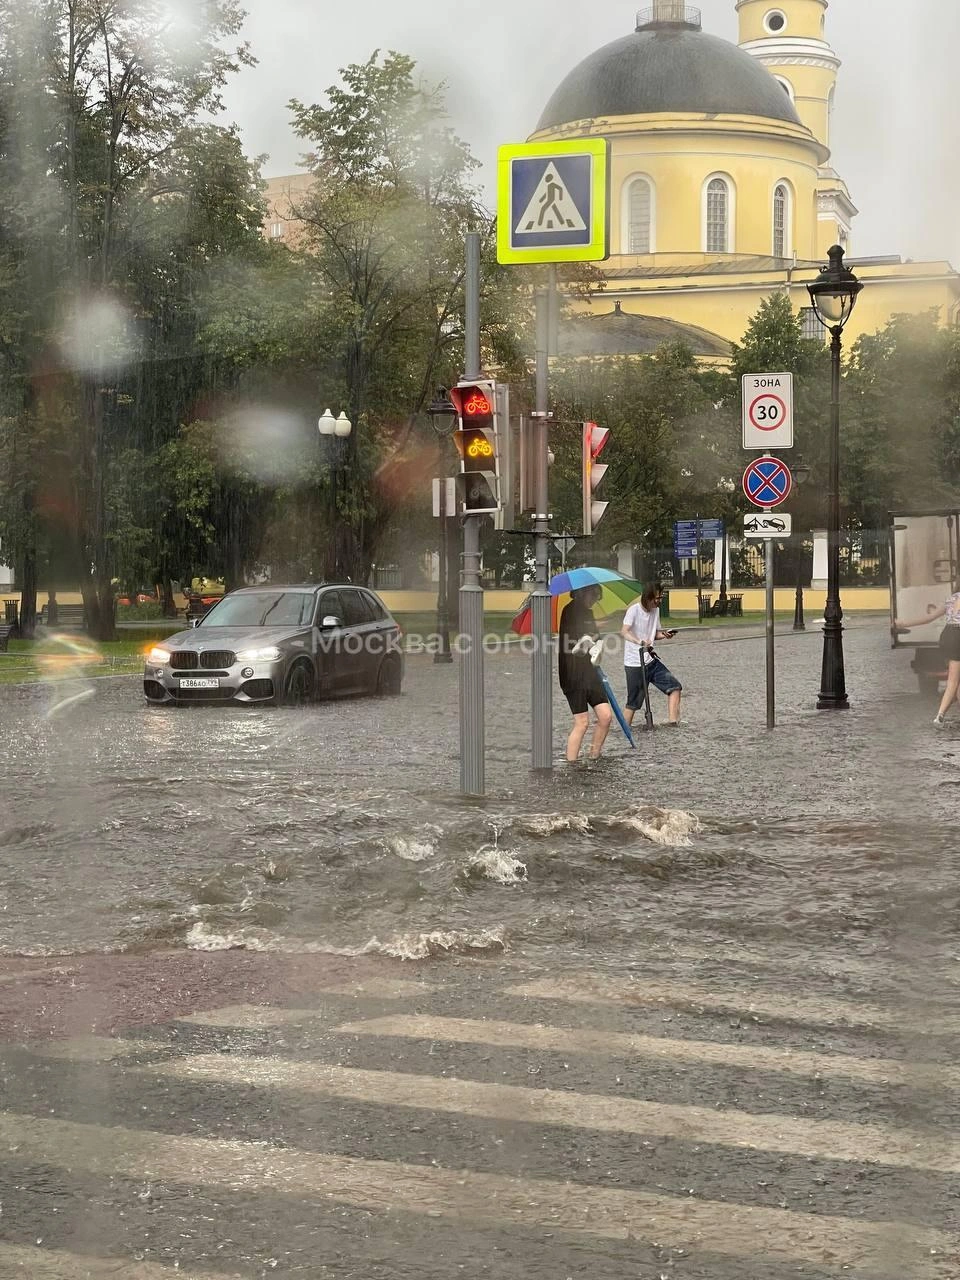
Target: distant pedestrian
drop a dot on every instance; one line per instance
(53, 609)
(578, 675)
(641, 630)
(949, 647)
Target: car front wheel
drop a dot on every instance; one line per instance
(300, 686)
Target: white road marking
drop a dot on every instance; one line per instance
(250, 1017)
(814, 1139)
(568, 1040)
(815, 1010)
(33, 1263)
(90, 1048)
(732, 1230)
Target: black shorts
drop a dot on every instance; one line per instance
(950, 643)
(581, 698)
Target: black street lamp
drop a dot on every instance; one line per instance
(801, 474)
(834, 294)
(335, 431)
(443, 415)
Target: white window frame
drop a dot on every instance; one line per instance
(625, 207)
(731, 236)
(787, 219)
(775, 31)
(276, 230)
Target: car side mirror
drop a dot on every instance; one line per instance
(331, 620)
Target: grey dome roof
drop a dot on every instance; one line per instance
(668, 69)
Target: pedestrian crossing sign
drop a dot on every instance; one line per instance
(552, 203)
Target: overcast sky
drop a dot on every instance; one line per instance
(897, 128)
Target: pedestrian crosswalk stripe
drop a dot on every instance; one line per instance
(33, 1263)
(732, 1230)
(830, 964)
(748, 1056)
(375, 988)
(250, 1017)
(90, 1048)
(816, 1010)
(815, 1139)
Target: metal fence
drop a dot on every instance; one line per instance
(670, 11)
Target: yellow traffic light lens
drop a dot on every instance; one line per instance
(480, 448)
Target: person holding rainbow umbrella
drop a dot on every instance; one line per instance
(576, 594)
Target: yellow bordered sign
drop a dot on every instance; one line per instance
(553, 201)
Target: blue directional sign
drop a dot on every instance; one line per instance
(767, 482)
(685, 536)
(685, 539)
(552, 203)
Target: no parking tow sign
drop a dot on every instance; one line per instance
(768, 411)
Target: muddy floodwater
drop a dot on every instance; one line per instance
(340, 828)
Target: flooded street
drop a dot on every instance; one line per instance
(340, 828)
(276, 1000)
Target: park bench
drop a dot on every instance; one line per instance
(6, 631)
(67, 615)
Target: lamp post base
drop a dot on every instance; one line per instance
(798, 620)
(833, 702)
(833, 681)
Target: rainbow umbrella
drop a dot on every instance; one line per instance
(617, 593)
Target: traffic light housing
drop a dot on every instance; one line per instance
(592, 472)
(477, 437)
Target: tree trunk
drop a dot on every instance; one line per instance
(168, 604)
(99, 608)
(28, 592)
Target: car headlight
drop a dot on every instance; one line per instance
(158, 655)
(270, 654)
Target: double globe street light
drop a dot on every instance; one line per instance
(334, 430)
(834, 295)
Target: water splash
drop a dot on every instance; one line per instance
(492, 863)
(409, 848)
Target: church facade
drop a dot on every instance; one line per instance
(722, 188)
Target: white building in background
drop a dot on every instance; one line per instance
(6, 573)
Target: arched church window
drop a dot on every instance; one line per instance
(640, 216)
(786, 86)
(781, 207)
(718, 216)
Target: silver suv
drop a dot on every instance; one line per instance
(280, 644)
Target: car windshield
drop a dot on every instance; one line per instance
(262, 609)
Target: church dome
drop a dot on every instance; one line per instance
(668, 65)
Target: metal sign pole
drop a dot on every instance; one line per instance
(771, 685)
(472, 727)
(699, 575)
(542, 699)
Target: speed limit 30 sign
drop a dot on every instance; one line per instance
(768, 411)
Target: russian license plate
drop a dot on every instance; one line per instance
(199, 682)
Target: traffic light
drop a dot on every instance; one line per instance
(594, 439)
(477, 438)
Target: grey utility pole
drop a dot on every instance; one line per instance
(540, 604)
(472, 728)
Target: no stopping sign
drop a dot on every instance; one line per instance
(768, 411)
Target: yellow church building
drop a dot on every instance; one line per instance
(722, 189)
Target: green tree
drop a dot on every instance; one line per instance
(116, 194)
(386, 219)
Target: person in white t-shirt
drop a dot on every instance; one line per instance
(641, 629)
